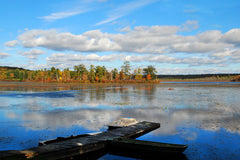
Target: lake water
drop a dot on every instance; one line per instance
(205, 116)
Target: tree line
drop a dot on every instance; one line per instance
(94, 74)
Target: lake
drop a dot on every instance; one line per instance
(205, 116)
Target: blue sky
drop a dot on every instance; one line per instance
(175, 36)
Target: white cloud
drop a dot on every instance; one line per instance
(232, 36)
(191, 61)
(124, 10)
(147, 31)
(61, 15)
(60, 59)
(11, 43)
(126, 29)
(235, 56)
(225, 53)
(189, 26)
(33, 53)
(69, 9)
(51, 39)
(142, 39)
(198, 47)
(210, 36)
(158, 44)
(191, 70)
(4, 55)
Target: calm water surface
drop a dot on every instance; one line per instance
(205, 116)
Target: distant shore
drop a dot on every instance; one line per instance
(201, 77)
(193, 80)
(37, 83)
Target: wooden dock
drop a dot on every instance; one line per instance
(71, 147)
(146, 146)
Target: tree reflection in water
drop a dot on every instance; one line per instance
(201, 115)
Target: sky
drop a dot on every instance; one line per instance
(175, 36)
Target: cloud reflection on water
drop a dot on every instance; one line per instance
(95, 119)
(206, 107)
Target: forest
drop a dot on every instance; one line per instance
(94, 74)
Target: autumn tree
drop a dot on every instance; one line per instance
(121, 75)
(150, 70)
(110, 75)
(53, 73)
(80, 69)
(21, 75)
(91, 73)
(126, 68)
(80, 73)
(40, 75)
(10, 75)
(148, 77)
(59, 75)
(29, 75)
(16, 73)
(100, 72)
(236, 78)
(138, 74)
(114, 73)
(66, 74)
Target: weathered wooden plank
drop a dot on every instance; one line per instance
(59, 139)
(146, 146)
(81, 145)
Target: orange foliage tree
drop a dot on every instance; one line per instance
(97, 79)
(121, 75)
(149, 77)
(79, 74)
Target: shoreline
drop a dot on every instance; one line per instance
(193, 80)
(62, 84)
